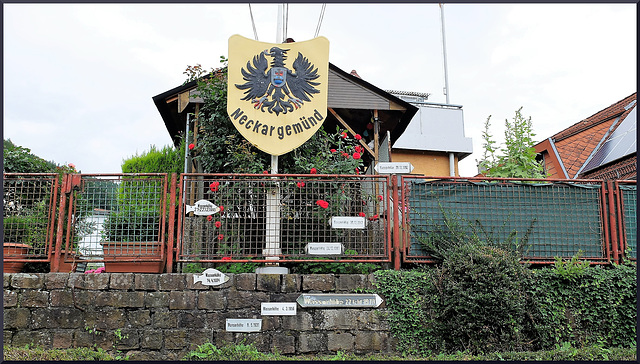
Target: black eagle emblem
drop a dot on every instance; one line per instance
(278, 89)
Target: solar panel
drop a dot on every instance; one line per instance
(620, 143)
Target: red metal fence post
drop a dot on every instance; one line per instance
(396, 223)
(612, 222)
(172, 218)
(64, 189)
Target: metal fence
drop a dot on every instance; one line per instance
(283, 217)
(545, 219)
(158, 220)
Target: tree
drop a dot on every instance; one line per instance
(518, 156)
(19, 159)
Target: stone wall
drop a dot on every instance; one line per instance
(163, 316)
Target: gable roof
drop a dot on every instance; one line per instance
(587, 144)
(351, 97)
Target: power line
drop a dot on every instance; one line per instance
(320, 19)
(253, 23)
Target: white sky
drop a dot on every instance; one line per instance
(79, 78)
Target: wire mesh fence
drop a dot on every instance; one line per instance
(291, 217)
(29, 215)
(629, 198)
(118, 217)
(543, 220)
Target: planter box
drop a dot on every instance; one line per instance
(14, 251)
(133, 257)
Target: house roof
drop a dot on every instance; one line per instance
(603, 138)
(352, 98)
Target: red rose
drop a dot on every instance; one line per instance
(209, 218)
(322, 203)
(221, 208)
(356, 155)
(380, 197)
(333, 150)
(300, 184)
(214, 186)
(357, 171)
(313, 171)
(358, 137)
(359, 149)
(362, 214)
(191, 146)
(373, 218)
(344, 135)
(265, 172)
(218, 224)
(220, 237)
(226, 258)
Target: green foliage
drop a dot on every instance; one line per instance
(239, 352)
(236, 268)
(165, 160)
(518, 158)
(335, 268)
(30, 353)
(570, 270)
(19, 159)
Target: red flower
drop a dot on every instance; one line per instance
(344, 135)
(220, 237)
(373, 218)
(356, 155)
(209, 218)
(322, 203)
(191, 146)
(333, 150)
(265, 172)
(300, 184)
(358, 137)
(357, 171)
(344, 154)
(313, 171)
(359, 149)
(380, 197)
(362, 214)
(218, 224)
(214, 186)
(226, 258)
(221, 208)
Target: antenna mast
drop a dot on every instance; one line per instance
(444, 52)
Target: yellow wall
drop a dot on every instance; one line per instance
(426, 163)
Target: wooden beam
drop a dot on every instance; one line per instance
(376, 131)
(366, 147)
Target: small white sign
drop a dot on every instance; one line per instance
(244, 325)
(279, 308)
(325, 300)
(202, 208)
(348, 222)
(324, 248)
(211, 277)
(394, 167)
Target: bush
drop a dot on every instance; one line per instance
(165, 160)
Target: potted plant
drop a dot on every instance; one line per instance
(24, 235)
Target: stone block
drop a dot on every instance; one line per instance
(6, 337)
(139, 318)
(291, 283)
(146, 282)
(110, 318)
(164, 320)
(151, 339)
(156, 299)
(191, 320)
(212, 300)
(62, 339)
(39, 338)
(198, 337)
(57, 318)
(56, 280)
(371, 341)
(61, 298)
(271, 323)
(34, 298)
(216, 321)
(338, 319)
(372, 320)
(182, 300)
(6, 280)
(312, 343)
(28, 280)
(84, 298)
(82, 339)
(126, 339)
(318, 282)
(98, 281)
(245, 281)
(261, 341)
(223, 338)
(176, 339)
(245, 299)
(16, 318)
(9, 299)
(350, 282)
(337, 341)
(121, 281)
(171, 282)
(284, 343)
(75, 280)
(268, 282)
(303, 321)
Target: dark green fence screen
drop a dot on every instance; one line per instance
(559, 219)
(629, 211)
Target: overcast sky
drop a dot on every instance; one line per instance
(79, 78)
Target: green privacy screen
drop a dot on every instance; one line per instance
(629, 203)
(559, 218)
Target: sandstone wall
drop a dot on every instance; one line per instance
(163, 316)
